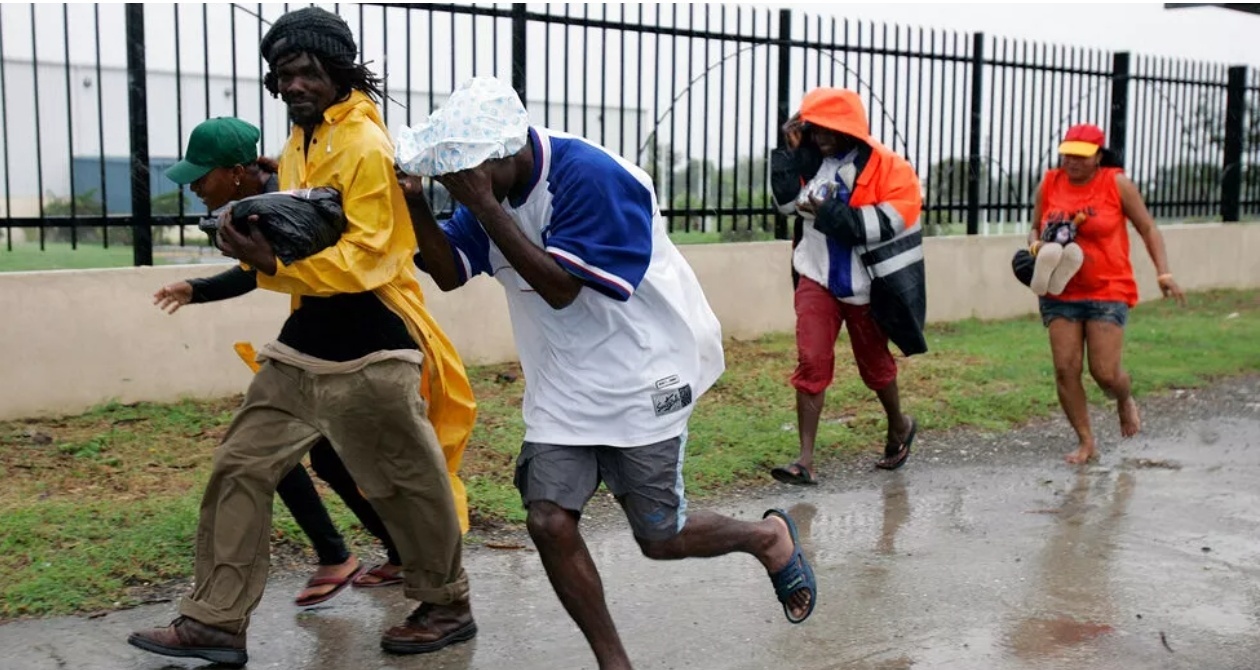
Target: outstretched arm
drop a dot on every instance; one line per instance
(1135, 210)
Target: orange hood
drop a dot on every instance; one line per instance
(837, 109)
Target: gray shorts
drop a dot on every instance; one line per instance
(646, 480)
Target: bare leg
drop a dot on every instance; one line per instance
(576, 580)
(1105, 342)
(809, 409)
(707, 535)
(1067, 344)
(898, 423)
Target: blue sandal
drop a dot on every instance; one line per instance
(797, 575)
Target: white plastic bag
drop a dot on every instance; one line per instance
(483, 120)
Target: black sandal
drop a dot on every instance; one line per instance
(896, 455)
(794, 474)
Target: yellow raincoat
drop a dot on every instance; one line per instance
(351, 151)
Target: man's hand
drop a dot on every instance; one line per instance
(411, 185)
(793, 130)
(173, 296)
(253, 249)
(472, 188)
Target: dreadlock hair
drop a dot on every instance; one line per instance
(346, 76)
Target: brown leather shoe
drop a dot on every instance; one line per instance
(430, 628)
(189, 638)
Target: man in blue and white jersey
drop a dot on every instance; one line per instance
(616, 340)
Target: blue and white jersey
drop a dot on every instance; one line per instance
(624, 363)
(821, 258)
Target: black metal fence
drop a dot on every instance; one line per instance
(96, 100)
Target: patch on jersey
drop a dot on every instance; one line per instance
(667, 382)
(672, 400)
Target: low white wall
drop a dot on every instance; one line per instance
(72, 339)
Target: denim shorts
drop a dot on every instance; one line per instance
(1084, 310)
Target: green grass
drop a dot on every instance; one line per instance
(59, 256)
(96, 503)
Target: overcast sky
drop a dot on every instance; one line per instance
(1203, 33)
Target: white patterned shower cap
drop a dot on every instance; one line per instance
(481, 121)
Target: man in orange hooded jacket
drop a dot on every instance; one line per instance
(858, 260)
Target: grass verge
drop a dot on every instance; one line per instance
(99, 504)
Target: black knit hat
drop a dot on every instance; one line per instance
(313, 30)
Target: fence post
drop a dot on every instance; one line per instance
(1231, 171)
(138, 113)
(974, 159)
(1119, 125)
(785, 99)
(518, 49)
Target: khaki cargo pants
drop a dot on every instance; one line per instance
(378, 423)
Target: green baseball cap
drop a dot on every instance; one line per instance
(219, 142)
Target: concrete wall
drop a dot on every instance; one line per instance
(73, 339)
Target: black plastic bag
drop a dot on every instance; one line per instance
(297, 223)
(900, 309)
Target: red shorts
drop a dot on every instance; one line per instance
(819, 316)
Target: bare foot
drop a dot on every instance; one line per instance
(1130, 417)
(341, 572)
(777, 558)
(1083, 454)
(378, 575)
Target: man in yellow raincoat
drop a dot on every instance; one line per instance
(359, 361)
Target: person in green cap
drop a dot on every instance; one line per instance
(222, 166)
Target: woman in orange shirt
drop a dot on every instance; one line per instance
(1091, 311)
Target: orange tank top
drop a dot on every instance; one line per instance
(1106, 274)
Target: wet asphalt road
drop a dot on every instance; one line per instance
(985, 552)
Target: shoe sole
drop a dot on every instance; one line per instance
(461, 635)
(227, 657)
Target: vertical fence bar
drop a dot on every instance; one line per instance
(691, 41)
(410, 66)
(603, 80)
(766, 221)
(785, 98)
(179, 116)
(704, 141)
(65, 32)
(138, 113)
(4, 139)
(1235, 110)
(518, 50)
(586, 71)
(977, 105)
(739, 26)
(1119, 131)
(262, 97)
(39, 148)
(752, 113)
(621, 86)
(236, 93)
(100, 125)
(385, 103)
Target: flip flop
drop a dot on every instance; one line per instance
(797, 575)
(340, 582)
(800, 477)
(899, 458)
(384, 578)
